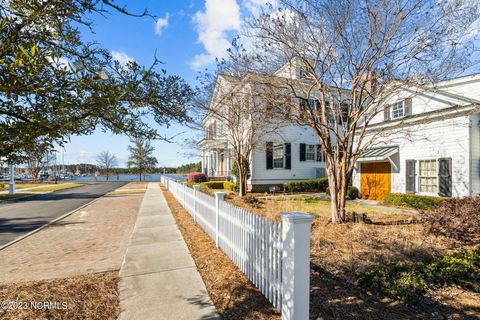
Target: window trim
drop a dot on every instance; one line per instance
(282, 145)
(313, 152)
(392, 111)
(420, 192)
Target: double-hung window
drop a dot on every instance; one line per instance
(310, 152)
(278, 155)
(398, 110)
(428, 178)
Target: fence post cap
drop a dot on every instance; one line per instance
(296, 217)
(219, 194)
(196, 187)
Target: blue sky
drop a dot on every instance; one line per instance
(187, 36)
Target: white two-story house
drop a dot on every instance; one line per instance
(429, 145)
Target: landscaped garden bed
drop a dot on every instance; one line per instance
(389, 267)
(93, 296)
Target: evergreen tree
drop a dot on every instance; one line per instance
(141, 159)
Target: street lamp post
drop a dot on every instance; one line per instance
(11, 185)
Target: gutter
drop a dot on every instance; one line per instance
(451, 112)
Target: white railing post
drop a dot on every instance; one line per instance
(219, 196)
(167, 182)
(184, 186)
(296, 228)
(196, 190)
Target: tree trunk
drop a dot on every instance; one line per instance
(242, 176)
(338, 188)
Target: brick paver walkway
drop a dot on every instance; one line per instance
(93, 239)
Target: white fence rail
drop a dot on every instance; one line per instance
(275, 257)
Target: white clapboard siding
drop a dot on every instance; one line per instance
(252, 242)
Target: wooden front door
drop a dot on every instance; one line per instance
(375, 180)
(222, 165)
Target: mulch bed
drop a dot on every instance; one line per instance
(93, 296)
(233, 295)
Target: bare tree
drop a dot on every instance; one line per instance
(106, 161)
(348, 57)
(236, 111)
(37, 161)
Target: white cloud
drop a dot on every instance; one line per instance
(255, 7)
(161, 24)
(201, 60)
(121, 57)
(213, 25)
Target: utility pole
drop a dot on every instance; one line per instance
(11, 185)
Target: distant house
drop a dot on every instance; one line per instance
(430, 145)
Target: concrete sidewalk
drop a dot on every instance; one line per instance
(159, 279)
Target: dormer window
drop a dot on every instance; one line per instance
(398, 110)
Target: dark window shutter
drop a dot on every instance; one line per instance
(319, 152)
(408, 107)
(386, 112)
(288, 156)
(445, 177)
(303, 149)
(410, 176)
(269, 153)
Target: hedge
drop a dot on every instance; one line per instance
(316, 185)
(352, 192)
(228, 185)
(412, 201)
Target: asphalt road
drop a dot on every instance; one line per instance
(25, 215)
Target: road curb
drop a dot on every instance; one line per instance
(50, 223)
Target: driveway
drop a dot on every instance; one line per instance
(27, 214)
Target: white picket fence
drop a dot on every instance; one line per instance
(275, 257)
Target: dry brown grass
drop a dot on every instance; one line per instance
(93, 296)
(233, 295)
(340, 252)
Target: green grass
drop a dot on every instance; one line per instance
(48, 188)
(317, 206)
(6, 196)
(56, 187)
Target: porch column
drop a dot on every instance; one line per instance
(227, 162)
(210, 165)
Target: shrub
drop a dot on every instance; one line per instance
(460, 268)
(457, 218)
(409, 282)
(213, 184)
(251, 200)
(196, 177)
(401, 282)
(314, 185)
(229, 186)
(412, 201)
(352, 192)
